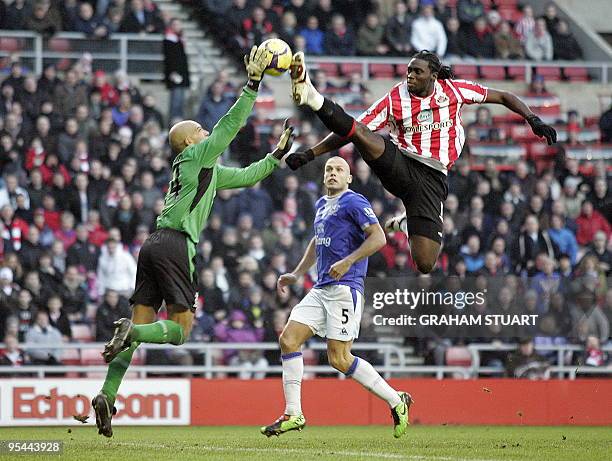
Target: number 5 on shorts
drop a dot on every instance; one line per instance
(345, 317)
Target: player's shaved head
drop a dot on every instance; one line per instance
(185, 133)
(337, 175)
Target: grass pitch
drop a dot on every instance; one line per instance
(351, 443)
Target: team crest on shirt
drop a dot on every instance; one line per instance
(425, 116)
(441, 99)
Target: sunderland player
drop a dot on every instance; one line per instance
(346, 233)
(426, 138)
(166, 261)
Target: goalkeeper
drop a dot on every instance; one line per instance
(166, 269)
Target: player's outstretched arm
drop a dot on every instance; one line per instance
(375, 241)
(309, 258)
(514, 103)
(330, 143)
(228, 126)
(233, 178)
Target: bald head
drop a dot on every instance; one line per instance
(184, 134)
(337, 176)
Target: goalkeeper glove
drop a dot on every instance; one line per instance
(541, 129)
(256, 63)
(285, 141)
(299, 159)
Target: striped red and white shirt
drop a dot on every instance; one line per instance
(428, 129)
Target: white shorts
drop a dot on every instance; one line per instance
(332, 311)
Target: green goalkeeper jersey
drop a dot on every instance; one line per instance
(196, 176)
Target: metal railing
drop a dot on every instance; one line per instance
(138, 55)
(393, 357)
(560, 368)
(599, 71)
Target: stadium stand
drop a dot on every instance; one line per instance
(84, 165)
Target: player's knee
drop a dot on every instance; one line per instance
(424, 265)
(288, 343)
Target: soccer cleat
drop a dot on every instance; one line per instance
(119, 342)
(397, 224)
(104, 414)
(401, 414)
(284, 424)
(302, 90)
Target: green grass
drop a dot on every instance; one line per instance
(422, 443)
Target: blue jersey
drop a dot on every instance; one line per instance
(339, 230)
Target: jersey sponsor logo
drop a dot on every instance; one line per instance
(369, 212)
(320, 236)
(429, 127)
(425, 116)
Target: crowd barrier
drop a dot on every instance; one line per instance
(202, 402)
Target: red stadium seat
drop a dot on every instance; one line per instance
(92, 357)
(330, 68)
(466, 71)
(82, 333)
(349, 68)
(576, 74)
(71, 357)
(549, 73)
(493, 72)
(10, 45)
(400, 70)
(382, 70)
(458, 357)
(516, 73)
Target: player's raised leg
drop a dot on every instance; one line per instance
(291, 340)
(340, 357)
(104, 403)
(370, 145)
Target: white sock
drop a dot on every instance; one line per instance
(314, 99)
(293, 370)
(365, 374)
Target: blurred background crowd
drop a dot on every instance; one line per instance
(84, 167)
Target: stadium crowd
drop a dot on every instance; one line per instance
(84, 167)
(467, 29)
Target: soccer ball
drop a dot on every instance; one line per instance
(281, 56)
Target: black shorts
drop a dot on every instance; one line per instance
(165, 272)
(420, 187)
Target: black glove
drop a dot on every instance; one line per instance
(285, 141)
(299, 159)
(541, 129)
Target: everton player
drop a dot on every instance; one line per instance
(166, 271)
(346, 232)
(422, 114)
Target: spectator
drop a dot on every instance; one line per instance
(89, 24)
(255, 28)
(288, 28)
(176, 68)
(110, 310)
(12, 355)
(58, 318)
(370, 37)
(551, 17)
(82, 253)
(563, 238)
(116, 269)
(45, 19)
(468, 11)
(605, 125)
(443, 11)
(69, 94)
(531, 242)
(398, 31)
(323, 11)
(594, 356)
(526, 363)
(428, 33)
(471, 254)
(213, 106)
(507, 46)
(589, 223)
(601, 197)
(526, 24)
(42, 333)
(455, 47)
(538, 43)
(479, 41)
(565, 45)
(313, 36)
(17, 13)
(73, 295)
(139, 20)
(339, 40)
(11, 190)
(587, 317)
